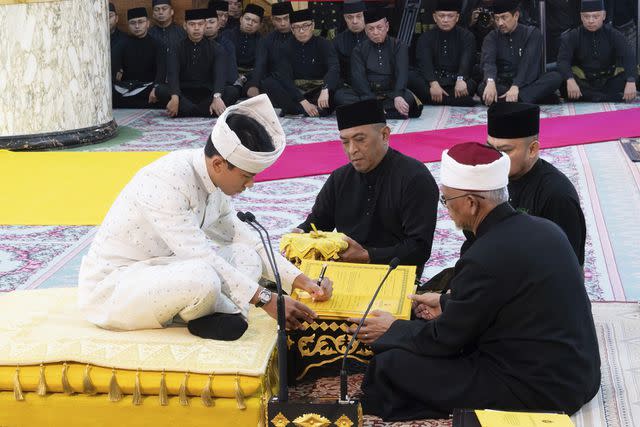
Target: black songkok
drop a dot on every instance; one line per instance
(255, 9)
(592, 6)
(112, 8)
(371, 16)
(360, 113)
(211, 13)
(513, 120)
(301, 16)
(219, 5)
(155, 3)
(354, 7)
(196, 14)
(502, 6)
(137, 12)
(283, 8)
(449, 5)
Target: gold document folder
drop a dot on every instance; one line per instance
(354, 286)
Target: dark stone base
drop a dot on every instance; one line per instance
(46, 141)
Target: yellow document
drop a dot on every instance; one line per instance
(354, 286)
(489, 418)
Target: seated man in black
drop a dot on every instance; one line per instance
(516, 331)
(116, 37)
(197, 74)
(385, 202)
(307, 73)
(444, 56)
(140, 65)
(245, 38)
(272, 47)
(512, 61)
(350, 38)
(596, 61)
(379, 69)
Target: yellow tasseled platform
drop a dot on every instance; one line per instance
(52, 360)
(316, 245)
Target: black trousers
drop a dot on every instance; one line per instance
(418, 85)
(610, 90)
(347, 95)
(540, 91)
(400, 385)
(140, 100)
(280, 98)
(195, 102)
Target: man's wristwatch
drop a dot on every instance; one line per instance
(263, 297)
(490, 80)
(217, 95)
(460, 78)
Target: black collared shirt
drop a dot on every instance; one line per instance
(451, 51)
(384, 64)
(141, 60)
(595, 52)
(197, 65)
(391, 211)
(245, 45)
(344, 43)
(271, 49)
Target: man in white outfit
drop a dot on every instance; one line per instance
(172, 248)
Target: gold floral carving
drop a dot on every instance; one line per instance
(280, 420)
(327, 345)
(312, 420)
(344, 421)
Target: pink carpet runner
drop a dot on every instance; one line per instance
(323, 157)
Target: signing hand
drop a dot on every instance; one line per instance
(436, 92)
(354, 252)
(377, 323)
(512, 94)
(318, 293)
(426, 306)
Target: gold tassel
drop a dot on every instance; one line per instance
(207, 394)
(162, 394)
(17, 388)
(137, 390)
(239, 394)
(87, 384)
(42, 383)
(182, 393)
(115, 392)
(66, 387)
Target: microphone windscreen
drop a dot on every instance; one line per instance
(242, 216)
(249, 216)
(394, 263)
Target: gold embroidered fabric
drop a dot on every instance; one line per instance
(45, 326)
(315, 245)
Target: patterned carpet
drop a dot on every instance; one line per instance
(607, 182)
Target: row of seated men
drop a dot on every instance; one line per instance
(514, 332)
(209, 68)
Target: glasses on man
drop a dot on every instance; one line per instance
(301, 27)
(444, 200)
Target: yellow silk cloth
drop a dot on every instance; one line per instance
(315, 245)
(64, 188)
(80, 410)
(45, 327)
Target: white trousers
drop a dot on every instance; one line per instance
(150, 294)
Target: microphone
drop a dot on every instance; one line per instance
(343, 371)
(283, 391)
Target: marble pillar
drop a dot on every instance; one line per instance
(55, 85)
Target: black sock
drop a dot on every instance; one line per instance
(218, 326)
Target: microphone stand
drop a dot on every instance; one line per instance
(281, 342)
(343, 371)
(280, 410)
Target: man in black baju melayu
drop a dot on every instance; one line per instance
(385, 202)
(516, 331)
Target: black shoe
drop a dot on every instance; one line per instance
(219, 326)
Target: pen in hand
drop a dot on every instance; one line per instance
(322, 271)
